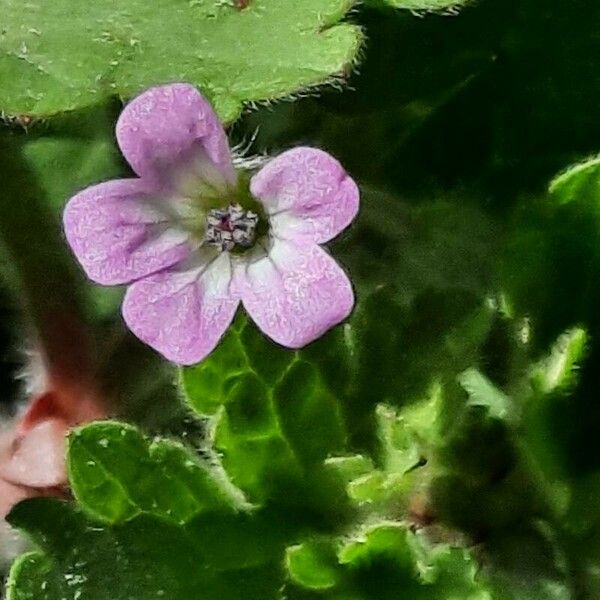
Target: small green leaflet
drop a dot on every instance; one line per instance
(58, 56)
(580, 182)
(482, 392)
(557, 371)
(384, 560)
(312, 565)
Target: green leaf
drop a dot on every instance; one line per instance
(249, 408)
(184, 536)
(274, 415)
(408, 435)
(386, 560)
(218, 46)
(116, 474)
(31, 578)
(277, 466)
(557, 372)
(580, 183)
(309, 415)
(242, 352)
(407, 440)
(453, 573)
(546, 389)
(242, 540)
(349, 467)
(413, 564)
(262, 466)
(386, 538)
(312, 565)
(239, 393)
(369, 488)
(146, 557)
(482, 392)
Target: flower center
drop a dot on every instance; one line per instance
(231, 228)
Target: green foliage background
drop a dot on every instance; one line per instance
(440, 444)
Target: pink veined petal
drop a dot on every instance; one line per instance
(118, 235)
(296, 293)
(183, 314)
(308, 195)
(170, 128)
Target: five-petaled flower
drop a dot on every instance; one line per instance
(194, 236)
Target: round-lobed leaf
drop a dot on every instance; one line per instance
(236, 53)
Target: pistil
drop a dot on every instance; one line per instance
(231, 228)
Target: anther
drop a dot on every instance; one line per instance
(231, 227)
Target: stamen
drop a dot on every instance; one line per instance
(231, 228)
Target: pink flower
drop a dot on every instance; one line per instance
(194, 237)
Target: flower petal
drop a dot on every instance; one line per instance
(183, 314)
(37, 458)
(308, 195)
(167, 128)
(10, 494)
(118, 235)
(295, 293)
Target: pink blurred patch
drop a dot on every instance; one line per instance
(32, 451)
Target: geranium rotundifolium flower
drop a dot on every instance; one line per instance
(194, 236)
